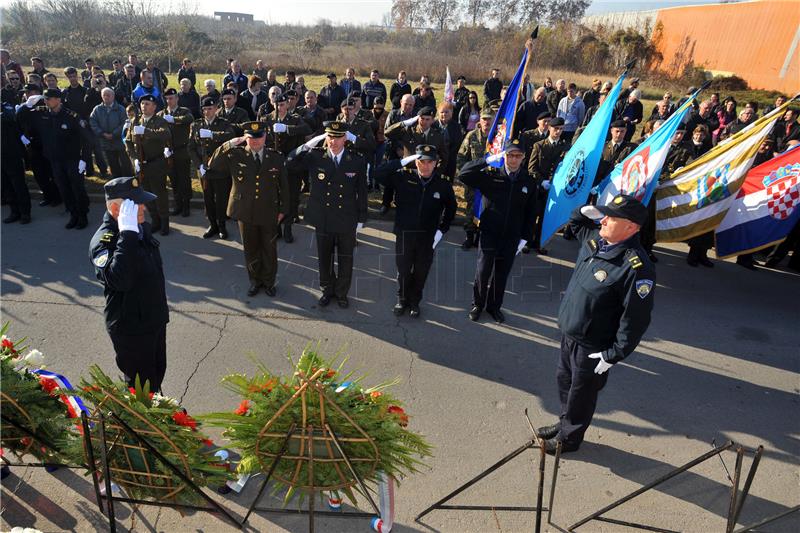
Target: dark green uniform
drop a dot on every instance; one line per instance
(545, 157)
(260, 193)
(236, 116)
(365, 138)
(148, 149)
(216, 185)
(179, 172)
(472, 147)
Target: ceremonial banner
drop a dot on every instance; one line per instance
(449, 92)
(575, 174)
(766, 208)
(637, 175)
(697, 197)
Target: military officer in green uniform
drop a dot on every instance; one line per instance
(258, 201)
(147, 142)
(544, 159)
(180, 122)
(207, 134)
(235, 115)
(408, 134)
(473, 147)
(337, 206)
(362, 140)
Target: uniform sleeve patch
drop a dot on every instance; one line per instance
(643, 287)
(107, 236)
(101, 259)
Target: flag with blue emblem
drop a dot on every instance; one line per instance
(574, 176)
(637, 175)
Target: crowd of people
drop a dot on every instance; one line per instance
(129, 121)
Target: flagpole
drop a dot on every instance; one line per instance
(534, 34)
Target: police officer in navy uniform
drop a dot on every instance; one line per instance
(426, 205)
(508, 195)
(337, 205)
(127, 262)
(604, 313)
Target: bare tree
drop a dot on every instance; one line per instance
(443, 13)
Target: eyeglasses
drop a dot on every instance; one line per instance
(13, 79)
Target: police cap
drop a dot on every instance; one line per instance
(557, 122)
(513, 144)
(427, 152)
(254, 129)
(52, 93)
(335, 128)
(127, 189)
(426, 111)
(622, 206)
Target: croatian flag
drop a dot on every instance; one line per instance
(766, 208)
(74, 404)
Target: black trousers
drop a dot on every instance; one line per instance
(154, 180)
(342, 245)
(12, 170)
(700, 245)
(388, 195)
(495, 259)
(791, 244)
(179, 176)
(295, 181)
(71, 185)
(119, 163)
(648, 232)
(215, 198)
(144, 354)
(539, 207)
(414, 257)
(469, 197)
(578, 387)
(260, 253)
(43, 174)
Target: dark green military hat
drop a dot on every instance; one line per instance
(335, 128)
(254, 129)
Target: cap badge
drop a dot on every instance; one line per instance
(600, 275)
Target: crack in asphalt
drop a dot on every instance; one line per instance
(200, 362)
(411, 356)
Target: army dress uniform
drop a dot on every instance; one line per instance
(216, 185)
(259, 195)
(180, 169)
(605, 310)
(424, 206)
(472, 147)
(407, 138)
(236, 116)
(506, 219)
(336, 205)
(148, 150)
(544, 159)
(128, 264)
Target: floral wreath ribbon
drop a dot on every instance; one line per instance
(51, 381)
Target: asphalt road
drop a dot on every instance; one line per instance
(720, 361)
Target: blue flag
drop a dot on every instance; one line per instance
(637, 175)
(575, 174)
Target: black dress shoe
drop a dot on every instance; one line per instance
(210, 232)
(384, 209)
(176, 210)
(55, 203)
(324, 300)
(468, 242)
(548, 432)
(399, 309)
(550, 446)
(44, 203)
(13, 217)
(497, 314)
(542, 251)
(475, 313)
(82, 222)
(343, 302)
(287, 233)
(706, 262)
(186, 210)
(413, 311)
(26, 219)
(165, 229)
(223, 232)
(271, 291)
(73, 221)
(253, 290)
(692, 262)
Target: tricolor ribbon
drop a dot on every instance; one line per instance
(74, 404)
(384, 523)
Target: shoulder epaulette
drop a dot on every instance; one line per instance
(107, 236)
(634, 259)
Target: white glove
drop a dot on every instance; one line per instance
(521, 245)
(81, 166)
(24, 140)
(136, 166)
(206, 134)
(411, 121)
(437, 238)
(359, 227)
(170, 119)
(494, 158)
(409, 159)
(546, 185)
(138, 130)
(202, 170)
(128, 219)
(33, 100)
(18, 107)
(167, 151)
(602, 367)
(313, 142)
(279, 127)
(350, 137)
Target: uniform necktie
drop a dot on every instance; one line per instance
(257, 157)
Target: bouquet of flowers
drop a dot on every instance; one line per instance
(325, 413)
(165, 425)
(31, 402)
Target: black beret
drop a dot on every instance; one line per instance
(127, 189)
(147, 98)
(331, 75)
(209, 101)
(619, 124)
(348, 102)
(461, 78)
(426, 111)
(335, 128)
(291, 92)
(31, 87)
(354, 94)
(284, 97)
(89, 60)
(254, 129)
(52, 93)
(681, 127)
(544, 114)
(379, 100)
(227, 92)
(170, 92)
(427, 152)
(557, 122)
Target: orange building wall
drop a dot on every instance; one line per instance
(750, 39)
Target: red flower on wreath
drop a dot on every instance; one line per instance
(183, 419)
(375, 394)
(48, 385)
(243, 408)
(133, 391)
(397, 410)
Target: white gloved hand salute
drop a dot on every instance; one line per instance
(411, 121)
(33, 100)
(602, 367)
(170, 119)
(128, 219)
(279, 127)
(313, 142)
(136, 166)
(206, 133)
(202, 170)
(81, 166)
(350, 137)
(494, 158)
(409, 159)
(138, 130)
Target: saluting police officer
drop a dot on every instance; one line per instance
(604, 313)
(259, 200)
(337, 206)
(508, 195)
(426, 205)
(127, 262)
(180, 122)
(544, 159)
(148, 141)
(207, 134)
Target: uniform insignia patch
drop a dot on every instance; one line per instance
(635, 261)
(101, 259)
(107, 236)
(524, 190)
(592, 244)
(436, 195)
(643, 287)
(600, 275)
(618, 200)
(321, 175)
